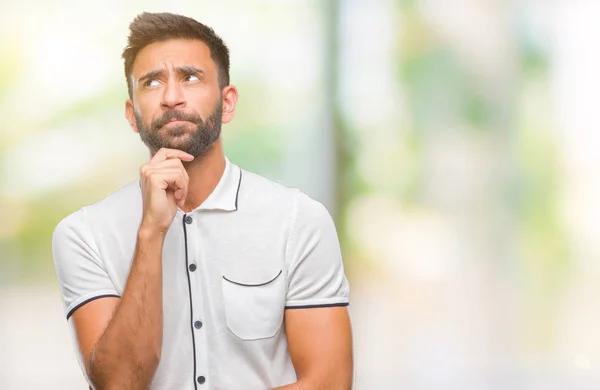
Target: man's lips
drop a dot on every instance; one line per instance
(176, 121)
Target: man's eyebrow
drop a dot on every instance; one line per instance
(187, 70)
(150, 75)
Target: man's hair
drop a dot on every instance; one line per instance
(148, 28)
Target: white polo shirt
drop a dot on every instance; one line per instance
(230, 268)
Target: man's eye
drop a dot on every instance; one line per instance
(191, 77)
(151, 83)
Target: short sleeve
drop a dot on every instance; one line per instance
(315, 269)
(79, 268)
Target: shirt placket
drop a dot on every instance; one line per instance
(196, 303)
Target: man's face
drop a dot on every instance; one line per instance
(176, 97)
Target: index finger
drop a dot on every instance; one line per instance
(166, 153)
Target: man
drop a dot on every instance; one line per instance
(200, 275)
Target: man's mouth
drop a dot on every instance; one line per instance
(176, 121)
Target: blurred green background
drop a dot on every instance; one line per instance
(454, 142)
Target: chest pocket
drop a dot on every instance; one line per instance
(254, 302)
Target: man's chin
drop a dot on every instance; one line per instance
(183, 146)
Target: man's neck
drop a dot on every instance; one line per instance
(204, 174)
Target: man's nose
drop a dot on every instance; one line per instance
(173, 96)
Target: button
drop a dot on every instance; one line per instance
(197, 324)
(192, 267)
(188, 219)
(201, 380)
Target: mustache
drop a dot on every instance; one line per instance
(175, 115)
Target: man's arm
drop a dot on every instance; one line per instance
(320, 344)
(122, 350)
(317, 323)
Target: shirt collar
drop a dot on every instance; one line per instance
(225, 195)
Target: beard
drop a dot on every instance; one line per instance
(195, 142)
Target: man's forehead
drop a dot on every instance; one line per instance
(171, 54)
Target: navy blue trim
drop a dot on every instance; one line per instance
(70, 313)
(253, 285)
(238, 189)
(187, 264)
(316, 306)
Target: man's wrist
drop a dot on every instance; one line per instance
(150, 234)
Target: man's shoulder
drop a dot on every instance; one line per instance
(125, 202)
(263, 193)
(259, 191)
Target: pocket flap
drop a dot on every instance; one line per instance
(252, 282)
(252, 276)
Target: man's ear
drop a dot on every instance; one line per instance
(230, 97)
(130, 115)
